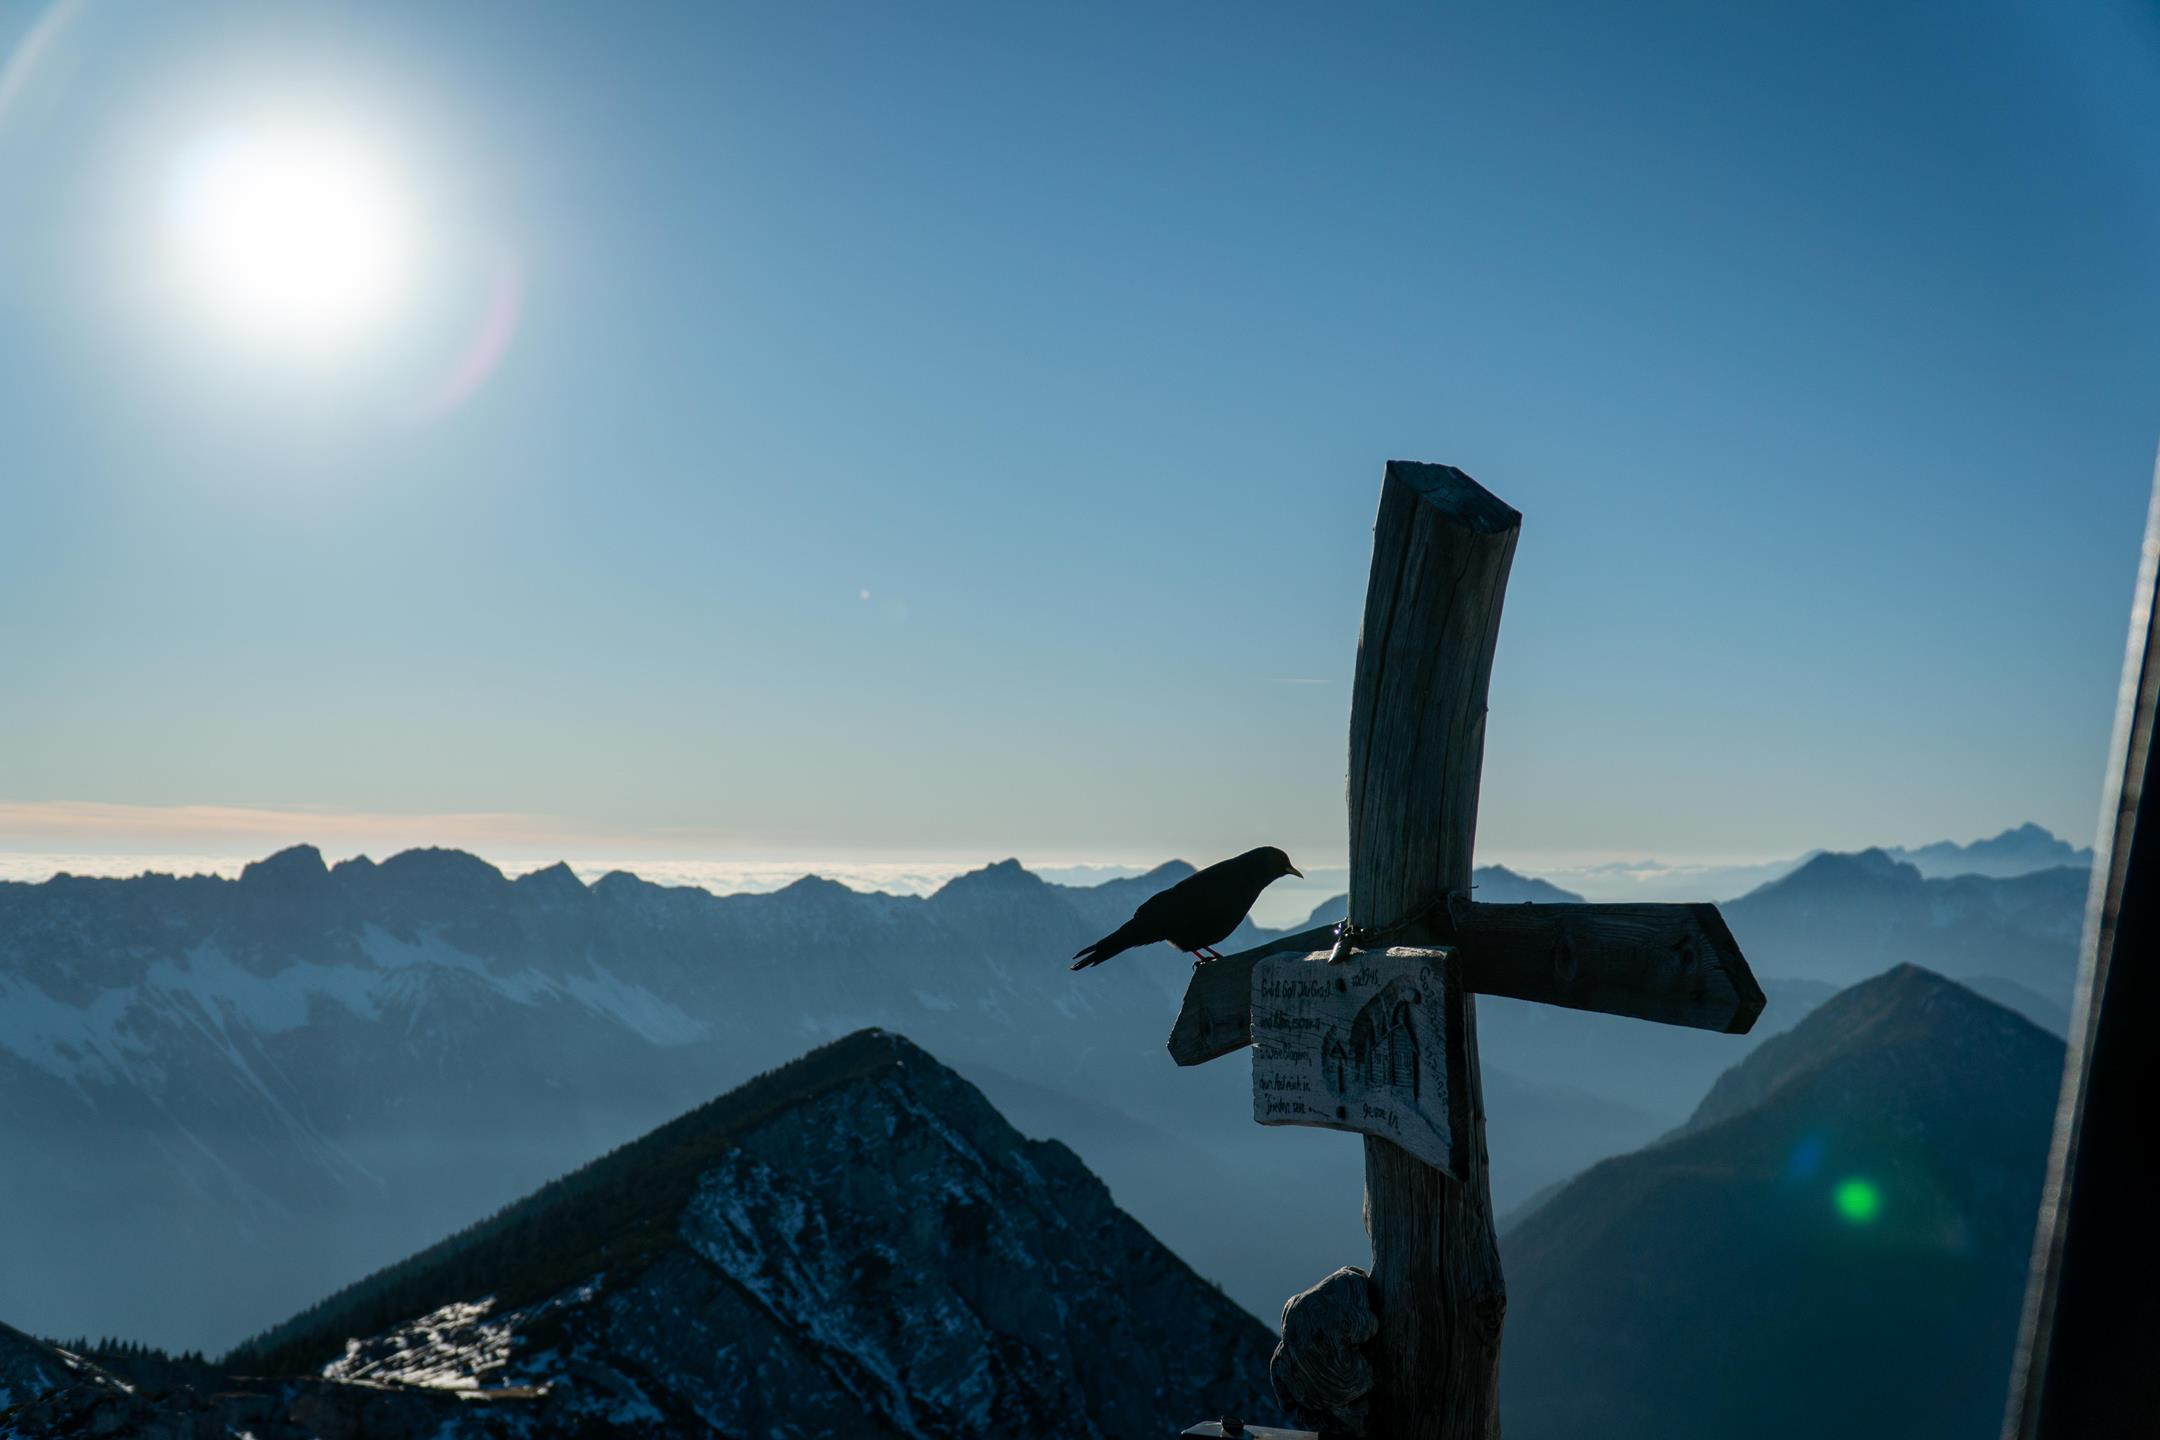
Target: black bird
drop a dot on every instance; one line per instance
(1199, 911)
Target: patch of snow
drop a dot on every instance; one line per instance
(266, 1004)
(208, 992)
(447, 1349)
(635, 1008)
(68, 1041)
(387, 951)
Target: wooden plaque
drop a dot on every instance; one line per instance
(1361, 1046)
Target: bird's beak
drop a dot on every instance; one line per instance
(1295, 871)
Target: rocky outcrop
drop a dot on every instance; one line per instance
(856, 1244)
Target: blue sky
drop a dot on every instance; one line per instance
(955, 431)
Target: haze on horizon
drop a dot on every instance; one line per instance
(935, 437)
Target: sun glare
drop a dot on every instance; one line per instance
(294, 238)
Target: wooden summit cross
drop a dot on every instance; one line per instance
(1371, 1027)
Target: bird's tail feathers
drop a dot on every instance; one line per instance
(1114, 943)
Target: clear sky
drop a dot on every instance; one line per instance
(955, 430)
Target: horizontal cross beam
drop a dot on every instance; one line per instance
(1676, 964)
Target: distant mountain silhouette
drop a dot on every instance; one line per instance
(1494, 884)
(1835, 1244)
(2017, 851)
(1498, 885)
(1843, 917)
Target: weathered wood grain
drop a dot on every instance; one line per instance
(1675, 964)
(1361, 1046)
(1216, 1018)
(1442, 547)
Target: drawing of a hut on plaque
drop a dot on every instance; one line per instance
(1383, 1039)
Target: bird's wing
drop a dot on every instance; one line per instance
(1157, 911)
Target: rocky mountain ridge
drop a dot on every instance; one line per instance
(856, 1243)
(2017, 851)
(1845, 917)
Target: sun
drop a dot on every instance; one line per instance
(290, 236)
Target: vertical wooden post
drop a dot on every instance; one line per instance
(1441, 551)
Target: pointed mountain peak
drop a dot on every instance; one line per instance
(866, 1281)
(2035, 842)
(555, 882)
(1873, 1172)
(293, 869)
(808, 887)
(1874, 861)
(1498, 885)
(626, 1203)
(1838, 872)
(1906, 1010)
(1005, 877)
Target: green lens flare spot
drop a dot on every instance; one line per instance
(1858, 1202)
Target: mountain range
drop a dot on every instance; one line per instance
(2019, 850)
(857, 1243)
(241, 1094)
(1842, 918)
